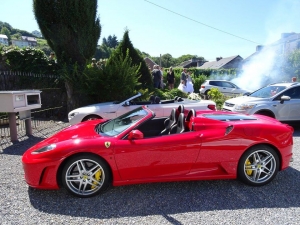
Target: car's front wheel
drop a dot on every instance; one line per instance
(86, 175)
(258, 165)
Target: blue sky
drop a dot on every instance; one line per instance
(208, 28)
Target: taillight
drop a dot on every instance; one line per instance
(212, 107)
(202, 86)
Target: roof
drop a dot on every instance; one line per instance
(28, 38)
(218, 64)
(150, 62)
(3, 36)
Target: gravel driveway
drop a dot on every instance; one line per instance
(197, 202)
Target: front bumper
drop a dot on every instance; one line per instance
(41, 173)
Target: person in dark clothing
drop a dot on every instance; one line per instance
(156, 75)
(171, 78)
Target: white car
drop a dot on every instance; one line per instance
(109, 110)
(227, 88)
(280, 101)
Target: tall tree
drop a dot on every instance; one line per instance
(72, 29)
(145, 78)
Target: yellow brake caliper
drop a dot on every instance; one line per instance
(247, 165)
(97, 177)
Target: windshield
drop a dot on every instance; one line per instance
(267, 91)
(118, 125)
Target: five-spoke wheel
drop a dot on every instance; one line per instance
(258, 166)
(85, 175)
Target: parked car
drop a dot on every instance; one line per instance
(280, 101)
(137, 147)
(109, 110)
(227, 88)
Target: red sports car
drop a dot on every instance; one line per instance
(136, 147)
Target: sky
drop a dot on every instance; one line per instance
(207, 28)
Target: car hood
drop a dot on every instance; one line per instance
(92, 108)
(84, 130)
(246, 99)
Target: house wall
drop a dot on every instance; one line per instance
(3, 40)
(20, 43)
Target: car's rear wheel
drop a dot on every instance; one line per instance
(258, 165)
(86, 175)
(206, 96)
(91, 117)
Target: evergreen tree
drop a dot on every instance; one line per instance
(72, 30)
(145, 78)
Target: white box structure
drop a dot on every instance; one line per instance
(16, 101)
(22, 102)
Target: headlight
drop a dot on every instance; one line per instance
(44, 149)
(244, 106)
(71, 115)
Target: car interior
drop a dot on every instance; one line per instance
(156, 100)
(175, 123)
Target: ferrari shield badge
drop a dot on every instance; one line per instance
(107, 144)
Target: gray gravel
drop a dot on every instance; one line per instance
(197, 202)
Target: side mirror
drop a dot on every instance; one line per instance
(284, 98)
(126, 104)
(135, 134)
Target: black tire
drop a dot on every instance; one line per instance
(91, 117)
(265, 113)
(258, 165)
(206, 96)
(90, 179)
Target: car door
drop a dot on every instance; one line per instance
(229, 89)
(168, 155)
(288, 110)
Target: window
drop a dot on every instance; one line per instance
(293, 93)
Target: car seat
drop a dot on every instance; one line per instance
(180, 126)
(169, 122)
(188, 124)
(151, 99)
(156, 100)
(179, 110)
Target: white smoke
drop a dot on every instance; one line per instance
(266, 65)
(263, 68)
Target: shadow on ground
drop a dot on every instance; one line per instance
(172, 198)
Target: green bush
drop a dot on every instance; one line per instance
(116, 80)
(28, 60)
(198, 81)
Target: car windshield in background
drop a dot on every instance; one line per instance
(267, 92)
(118, 125)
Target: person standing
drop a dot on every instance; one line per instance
(182, 85)
(189, 83)
(162, 85)
(156, 75)
(171, 78)
(294, 79)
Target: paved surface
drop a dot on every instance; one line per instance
(198, 202)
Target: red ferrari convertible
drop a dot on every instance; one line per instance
(136, 147)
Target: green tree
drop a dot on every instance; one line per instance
(111, 41)
(137, 59)
(292, 67)
(72, 30)
(167, 60)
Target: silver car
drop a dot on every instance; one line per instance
(227, 88)
(280, 101)
(162, 108)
